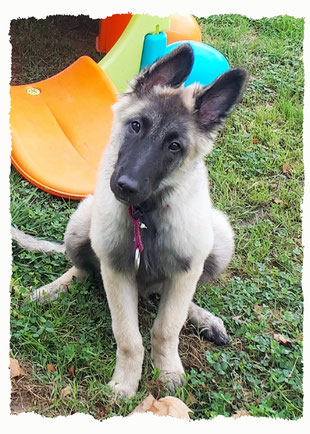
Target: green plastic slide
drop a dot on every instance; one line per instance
(122, 62)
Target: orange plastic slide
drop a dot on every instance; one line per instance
(61, 123)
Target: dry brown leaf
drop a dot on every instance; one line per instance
(71, 371)
(15, 369)
(51, 368)
(281, 339)
(258, 309)
(255, 140)
(286, 169)
(66, 391)
(145, 405)
(171, 406)
(239, 413)
(168, 406)
(277, 200)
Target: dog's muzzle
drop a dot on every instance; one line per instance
(129, 190)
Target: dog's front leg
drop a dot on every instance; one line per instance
(122, 295)
(173, 309)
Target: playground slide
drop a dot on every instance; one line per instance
(122, 62)
(60, 127)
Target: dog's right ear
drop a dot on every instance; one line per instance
(171, 70)
(215, 102)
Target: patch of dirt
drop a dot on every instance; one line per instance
(191, 347)
(21, 399)
(26, 393)
(43, 47)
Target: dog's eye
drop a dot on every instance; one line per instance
(174, 146)
(135, 125)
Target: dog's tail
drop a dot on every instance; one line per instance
(33, 244)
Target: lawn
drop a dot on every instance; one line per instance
(256, 177)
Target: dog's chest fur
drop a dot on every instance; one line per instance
(159, 258)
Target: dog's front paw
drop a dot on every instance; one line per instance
(173, 380)
(122, 390)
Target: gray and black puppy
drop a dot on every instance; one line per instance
(150, 226)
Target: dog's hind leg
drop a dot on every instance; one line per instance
(222, 250)
(51, 291)
(211, 327)
(79, 250)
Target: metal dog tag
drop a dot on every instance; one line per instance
(137, 259)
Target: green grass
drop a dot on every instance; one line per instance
(260, 295)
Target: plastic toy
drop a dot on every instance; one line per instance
(208, 62)
(60, 126)
(110, 30)
(123, 61)
(181, 27)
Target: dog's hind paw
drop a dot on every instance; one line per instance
(211, 327)
(215, 332)
(47, 293)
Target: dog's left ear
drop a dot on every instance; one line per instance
(171, 70)
(215, 103)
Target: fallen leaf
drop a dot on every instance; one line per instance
(168, 406)
(281, 339)
(255, 140)
(15, 369)
(274, 186)
(286, 169)
(51, 368)
(171, 406)
(277, 200)
(258, 309)
(66, 391)
(71, 371)
(145, 405)
(239, 413)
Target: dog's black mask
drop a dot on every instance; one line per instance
(154, 140)
(154, 144)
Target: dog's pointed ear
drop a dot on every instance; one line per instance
(170, 70)
(215, 103)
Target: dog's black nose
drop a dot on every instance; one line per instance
(127, 185)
